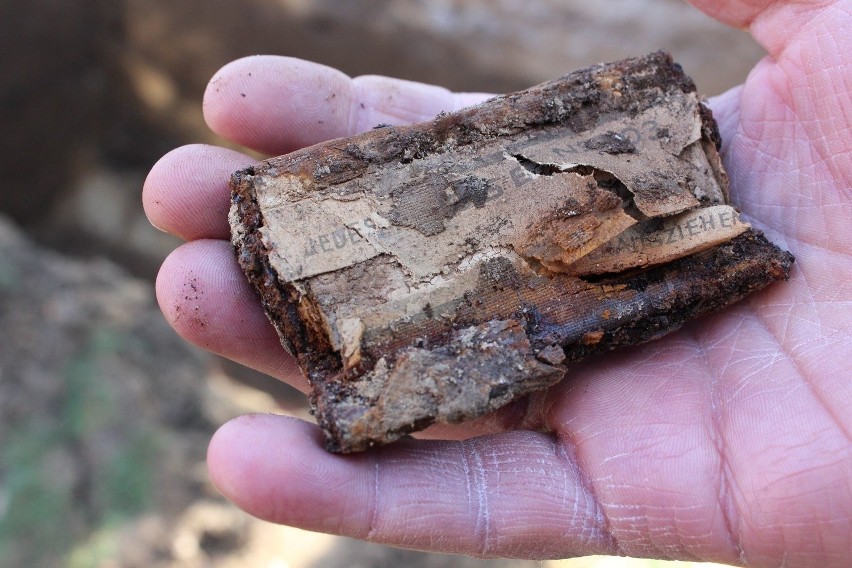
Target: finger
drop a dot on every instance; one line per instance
(519, 494)
(205, 297)
(186, 193)
(278, 104)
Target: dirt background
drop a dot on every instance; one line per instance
(104, 412)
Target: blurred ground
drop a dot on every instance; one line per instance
(104, 412)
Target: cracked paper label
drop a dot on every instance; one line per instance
(658, 242)
(552, 197)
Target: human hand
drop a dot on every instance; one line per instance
(728, 441)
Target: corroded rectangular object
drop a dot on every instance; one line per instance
(435, 272)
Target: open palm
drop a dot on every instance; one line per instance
(730, 440)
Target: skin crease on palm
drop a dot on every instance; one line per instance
(730, 440)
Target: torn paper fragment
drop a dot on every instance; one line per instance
(659, 241)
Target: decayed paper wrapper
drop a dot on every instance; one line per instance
(438, 271)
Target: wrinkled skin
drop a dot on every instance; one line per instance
(726, 441)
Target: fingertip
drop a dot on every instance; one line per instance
(218, 101)
(177, 292)
(236, 464)
(225, 466)
(275, 468)
(276, 104)
(186, 192)
(206, 298)
(156, 195)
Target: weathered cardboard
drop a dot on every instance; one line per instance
(409, 259)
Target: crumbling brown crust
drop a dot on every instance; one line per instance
(438, 271)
